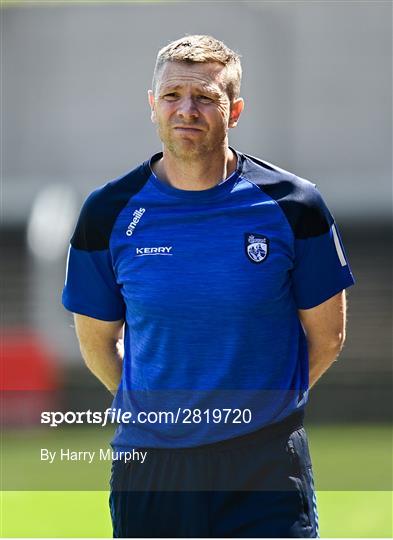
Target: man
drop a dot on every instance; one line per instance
(227, 276)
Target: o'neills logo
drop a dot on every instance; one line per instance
(136, 217)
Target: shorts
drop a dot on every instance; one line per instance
(258, 485)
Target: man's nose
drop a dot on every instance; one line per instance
(187, 108)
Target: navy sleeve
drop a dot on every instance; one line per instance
(321, 267)
(90, 286)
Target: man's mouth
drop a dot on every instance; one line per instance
(187, 128)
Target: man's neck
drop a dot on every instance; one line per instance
(195, 175)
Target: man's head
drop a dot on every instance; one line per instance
(202, 49)
(195, 97)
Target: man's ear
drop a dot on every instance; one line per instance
(237, 107)
(152, 106)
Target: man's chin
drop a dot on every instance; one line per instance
(187, 150)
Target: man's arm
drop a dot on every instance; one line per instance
(101, 349)
(324, 326)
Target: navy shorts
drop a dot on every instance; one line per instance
(255, 485)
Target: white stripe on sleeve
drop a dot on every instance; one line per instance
(339, 249)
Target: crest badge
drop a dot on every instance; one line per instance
(257, 247)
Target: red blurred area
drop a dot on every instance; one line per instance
(30, 376)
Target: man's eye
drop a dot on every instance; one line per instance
(205, 99)
(171, 96)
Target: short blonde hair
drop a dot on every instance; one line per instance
(201, 48)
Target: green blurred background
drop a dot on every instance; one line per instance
(59, 514)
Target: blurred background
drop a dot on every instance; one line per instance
(318, 90)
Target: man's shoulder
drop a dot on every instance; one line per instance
(101, 208)
(298, 198)
(114, 191)
(278, 181)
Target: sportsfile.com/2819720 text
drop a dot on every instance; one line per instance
(179, 416)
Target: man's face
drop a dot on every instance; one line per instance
(191, 108)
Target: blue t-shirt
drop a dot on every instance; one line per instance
(208, 283)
